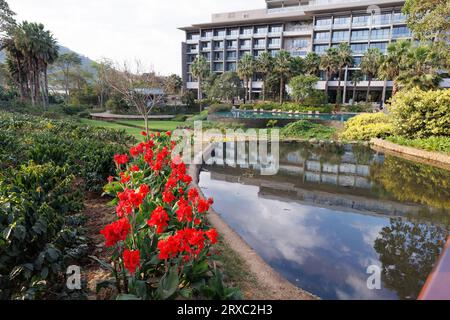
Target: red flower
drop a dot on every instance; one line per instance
(168, 133)
(159, 218)
(137, 150)
(131, 260)
(134, 169)
(124, 178)
(144, 133)
(168, 197)
(129, 199)
(203, 205)
(121, 159)
(168, 248)
(184, 211)
(115, 232)
(144, 190)
(212, 235)
(110, 179)
(193, 194)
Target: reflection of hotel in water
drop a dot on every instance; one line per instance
(344, 184)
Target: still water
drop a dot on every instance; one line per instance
(333, 211)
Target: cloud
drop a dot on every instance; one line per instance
(125, 30)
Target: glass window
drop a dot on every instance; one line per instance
(231, 55)
(322, 36)
(380, 19)
(320, 49)
(275, 42)
(360, 20)
(219, 33)
(356, 61)
(246, 31)
(218, 45)
(401, 32)
(233, 32)
(257, 53)
(242, 53)
(300, 43)
(207, 55)
(218, 66)
(274, 53)
(382, 46)
(218, 55)
(231, 66)
(359, 48)
(380, 33)
(260, 43)
(193, 36)
(398, 17)
(323, 22)
(360, 35)
(207, 33)
(206, 45)
(341, 21)
(232, 44)
(340, 35)
(245, 43)
(276, 29)
(261, 30)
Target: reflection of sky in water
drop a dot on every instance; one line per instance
(324, 251)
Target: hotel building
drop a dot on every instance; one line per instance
(299, 27)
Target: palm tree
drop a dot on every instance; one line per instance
(245, 70)
(264, 66)
(421, 69)
(394, 62)
(357, 76)
(330, 64)
(312, 63)
(282, 67)
(370, 63)
(345, 59)
(200, 69)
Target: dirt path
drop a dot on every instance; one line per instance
(98, 214)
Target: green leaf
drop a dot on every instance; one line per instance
(127, 297)
(168, 284)
(105, 284)
(104, 264)
(15, 272)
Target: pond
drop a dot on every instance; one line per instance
(267, 115)
(333, 211)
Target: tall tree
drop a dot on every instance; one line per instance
(6, 18)
(329, 62)
(312, 63)
(102, 67)
(356, 77)
(66, 64)
(282, 67)
(370, 63)
(394, 62)
(264, 66)
(200, 69)
(226, 87)
(246, 70)
(345, 58)
(303, 86)
(173, 84)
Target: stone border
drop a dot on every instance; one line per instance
(278, 288)
(439, 159)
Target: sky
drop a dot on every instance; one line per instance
(125, 30)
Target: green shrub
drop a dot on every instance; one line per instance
(219, 107)
(358, 107)
(180, 118)
(202, 116)
(367, 126)
(439, 144)
(419, 114)
(307, 129)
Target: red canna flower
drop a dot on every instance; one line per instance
(115, 232)
(168, 133)
(124, 178)
(193, 195)
(184, 211)
(144, 190)
(212, 235)
(134, 169)
(159, 218)
(144, 133)
(131, 260)
(168, 197)
(203, 205)
(121, 159)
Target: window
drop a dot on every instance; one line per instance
(359, 48)
(381, 19)
(218, 56)
(322, 36)
(247, 31)
(245, 43)
(276, 29)
(231, 66)
(191, 57)
(231, 55)
(218, 66)
(398, 17)
(300, 43)
(380, 34)
(233, 32)
(192, 36)
(260, 43)
(274, 42)
(360, 20)
(340, 35)
(360, 35)
(257, 53)
(232, 44)
(401, 32)
(243, 52)
(206, 45)
(207, 55)
(261, 30)
(320, 49)
(382, 46)
(274, 53)
(218, 45)
(219, 33)
(342, 21)
(207, 34)
(356, 61)
(323, 22)
(192, 48)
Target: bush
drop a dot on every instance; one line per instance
(420, 114)
(368, 126)
(439, 144)
(358, 107)
(219, 108)
(307, 129)
(180, 118)
(161, 243)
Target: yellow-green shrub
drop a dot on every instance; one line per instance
(367, 126)
(420, 114)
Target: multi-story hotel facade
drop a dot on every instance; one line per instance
(299, 27)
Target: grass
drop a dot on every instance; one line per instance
(438, 144)
(162, 125)
(136, 132)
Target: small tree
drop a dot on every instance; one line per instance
(329, 62)
(312, 63)
(246, 69)
(264, 66)
(66, 63)
(370, 63)
(137, 88)
(200, 69)
(303, 87)
(226, 87)
(282, 67)
(345, 59)
(173, 84)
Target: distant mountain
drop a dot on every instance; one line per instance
(85, 61)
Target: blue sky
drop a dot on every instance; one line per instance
(126, 30)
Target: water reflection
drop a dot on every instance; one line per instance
(329, 214)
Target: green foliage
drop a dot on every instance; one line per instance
(307, 129)
(219, 107)
(419, 114)
(439, 144)
(225, 87)
(368, 126)
(358, 107)
(303, 87)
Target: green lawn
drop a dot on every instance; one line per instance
(158, 125)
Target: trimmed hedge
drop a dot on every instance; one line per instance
(368, 126)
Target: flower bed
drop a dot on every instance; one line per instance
(161, 243)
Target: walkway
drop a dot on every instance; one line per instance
(112, 116)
